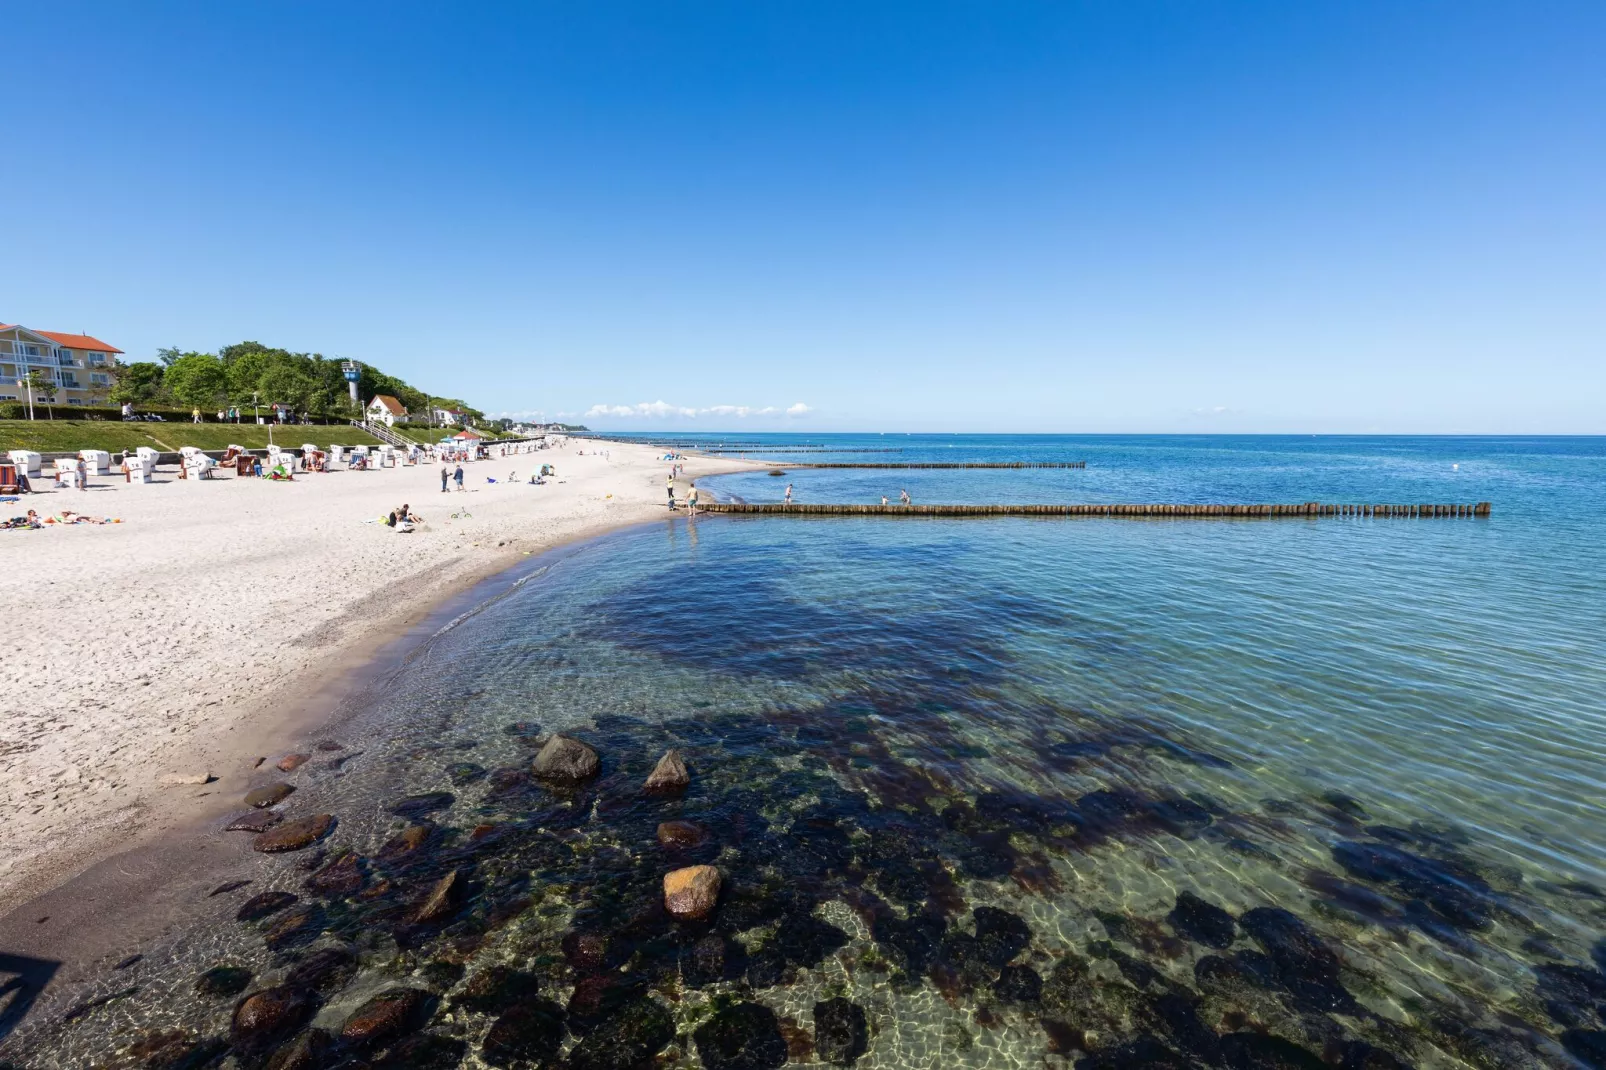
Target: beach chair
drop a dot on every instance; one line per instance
(244, 464)
(149, 456)
(139, 471)
(9, 484)
(337, 455)
(96, 462)
(28, 462)
(198, 465)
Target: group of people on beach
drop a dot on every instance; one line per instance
(691, 495)
(447, 475)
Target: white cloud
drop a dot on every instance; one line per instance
(799, 409)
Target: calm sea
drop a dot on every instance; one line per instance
(992, 792)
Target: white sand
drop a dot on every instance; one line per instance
(178, 641)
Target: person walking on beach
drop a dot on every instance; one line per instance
(671, 492)
(458, 475)
(446, 474)
(789, 494)
(82, 474)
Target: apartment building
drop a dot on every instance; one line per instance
(78, 366)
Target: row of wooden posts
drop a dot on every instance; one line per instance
(1301, 509)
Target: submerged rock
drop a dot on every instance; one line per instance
(263, 797)
(746, 1036)
(423, 1051)
(324, 970)
(254, 821)
(1202, 922)
(341, 876)
(260, 906)
(461, 773)
(681, 834)
(1266, 1051)
(527, 1032)
(495, 989)
(295, 835)
(388, 1017)
(406, 841)
(419, 805)
(1296, 958)
(669, 776)
(223, 981)
(586, 952)
(299, 926)
(840, 1032)
(692, 892)
(442, 899)
(565, 760)
(630, 1037)
(1000, 935)
(264, 1018)
(1018, 984)
(312, 1050)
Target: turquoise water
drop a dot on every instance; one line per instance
(957, 774)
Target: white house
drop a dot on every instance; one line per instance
(386, 410)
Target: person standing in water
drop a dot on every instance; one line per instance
(883, 501)
(903, 496)
(789, 494)
(691, 499)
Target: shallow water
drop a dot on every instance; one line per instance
(1392, 730)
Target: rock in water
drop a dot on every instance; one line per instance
(263, 797)
(669, 776)
(419, 805)
(564, 759)
(342, 876)
(300, 926)
(254, 821)
(312, 1050)
(746, 1036)
(1202, 922)
(387, 1017)
(630, 1037)
(294, 835)
(325, 970)
(692, 892)
(291, 762)
(223, 981)
(840, 1033)
(531, 1031)
(260, 906)
(406, 842)
(442, 899)
(264, 1018)
(423, 1051)
(680, 834)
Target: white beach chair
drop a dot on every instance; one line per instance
(97, 462)
(28, 462)
(337, 455)
(198, 465)
(138, 470)
(150, 455)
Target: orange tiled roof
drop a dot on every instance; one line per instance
(78, 341)
(395, 407)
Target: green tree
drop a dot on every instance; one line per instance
(137, 383)
(197, 379)
(41, 384)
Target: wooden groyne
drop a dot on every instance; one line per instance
(1142, 509)
(891, 465)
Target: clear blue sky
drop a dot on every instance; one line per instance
(1118, 215)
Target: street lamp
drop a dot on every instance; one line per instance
(29, 384)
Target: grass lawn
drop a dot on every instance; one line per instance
(63, 436)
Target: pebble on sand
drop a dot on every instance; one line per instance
(669, 776)
(173, 780)
(692, 892)
(292, 762)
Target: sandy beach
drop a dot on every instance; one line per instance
(186, 640)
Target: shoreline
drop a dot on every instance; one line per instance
(311, 671)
